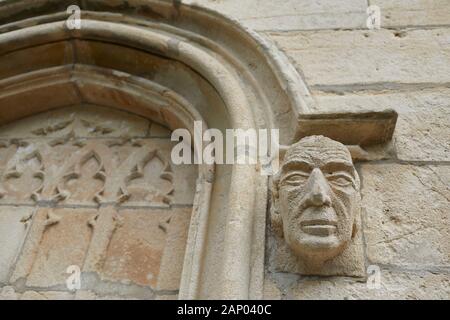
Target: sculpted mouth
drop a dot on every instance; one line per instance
(319, 227)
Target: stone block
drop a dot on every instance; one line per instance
(423, 124)
(14, 225)
(46, 295)
(378, 59)
(413, 13)
(406, 210)
(393, 286)
(147, 248)
(59, 238)
(291, 14)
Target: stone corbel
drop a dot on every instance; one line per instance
(359, 131)
(315, 209)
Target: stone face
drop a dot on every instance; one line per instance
(413, 233)
(376, 59)
(316, 208)
(350, 262)
(14, 224)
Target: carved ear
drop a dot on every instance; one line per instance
(275, 216)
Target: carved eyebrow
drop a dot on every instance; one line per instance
(338, 165)
(297, 165)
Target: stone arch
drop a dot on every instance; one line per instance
(173, 64)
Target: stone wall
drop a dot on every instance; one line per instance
(403, 66)
(405, 227)
(91, 187)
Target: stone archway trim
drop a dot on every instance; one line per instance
(236, 271)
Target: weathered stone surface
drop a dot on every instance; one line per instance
(60, 238)
(158, 131)
(374, 59)
(117, 163)
(423, 125)
(393, 285)
(167, 297)
(406, 210)
(271, 291)
(47, 55)
(147, 248)
(362, 129)
(79, 121)
(174, 251)
(14, 224)
(9, 293)
(404, 13)
(91, 295)
(291, 14)
(46, 295)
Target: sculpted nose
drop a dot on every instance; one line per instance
(319, 191)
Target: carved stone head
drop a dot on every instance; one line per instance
(316, 199)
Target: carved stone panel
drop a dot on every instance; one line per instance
(64, 236)
(147, 248)
(105, 196)
(14, 224)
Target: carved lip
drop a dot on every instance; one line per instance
(319, 227)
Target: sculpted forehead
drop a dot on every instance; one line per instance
(318, 150)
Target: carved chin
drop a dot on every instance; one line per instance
(316, 247)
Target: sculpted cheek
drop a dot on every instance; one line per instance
(343, 200)
(292, 199)
(344, 205)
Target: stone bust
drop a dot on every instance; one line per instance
(316, 199)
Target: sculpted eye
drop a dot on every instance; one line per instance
(341, 180)
(295, 178)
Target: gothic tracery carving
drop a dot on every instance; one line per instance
(117, 171)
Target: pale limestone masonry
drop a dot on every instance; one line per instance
(85, 123)
(57, 168)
